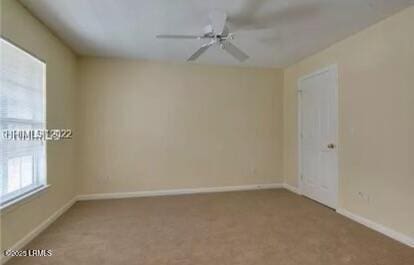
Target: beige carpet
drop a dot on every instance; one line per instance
(255, 227)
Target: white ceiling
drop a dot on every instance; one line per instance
(274, 33)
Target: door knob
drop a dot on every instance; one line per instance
(331, 146)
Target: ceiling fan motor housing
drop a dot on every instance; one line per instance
(218, 34)
(208, 30)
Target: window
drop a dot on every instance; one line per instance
(22, 107)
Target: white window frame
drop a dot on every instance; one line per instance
(34, 189)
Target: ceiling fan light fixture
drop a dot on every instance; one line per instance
(217, 31)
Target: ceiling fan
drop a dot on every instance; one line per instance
(218, 34)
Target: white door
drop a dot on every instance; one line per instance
(318, 112)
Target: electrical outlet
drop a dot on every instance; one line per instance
(364, 196)
(105, 178)
(253, 171)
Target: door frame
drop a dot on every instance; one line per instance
(334, 68)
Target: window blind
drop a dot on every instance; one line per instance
(22, 107)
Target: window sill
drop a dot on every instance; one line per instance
(23, 199)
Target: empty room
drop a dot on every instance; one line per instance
(234, 132)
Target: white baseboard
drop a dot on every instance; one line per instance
(378, 227)
(292, 188)
(35, 232)
(120, 195)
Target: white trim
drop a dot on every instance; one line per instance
(299, 138)
(35, 232)
(26, 197)
(405, 239)
(332, 67)
(292, 188)
(134, 194)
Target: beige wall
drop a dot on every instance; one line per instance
(20, 27)
(150, 126)
(376, 120)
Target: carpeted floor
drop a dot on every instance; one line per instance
(244, 228)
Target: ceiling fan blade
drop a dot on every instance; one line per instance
(200, 51)
(234, 51)
(179, 37)
(218, 21)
